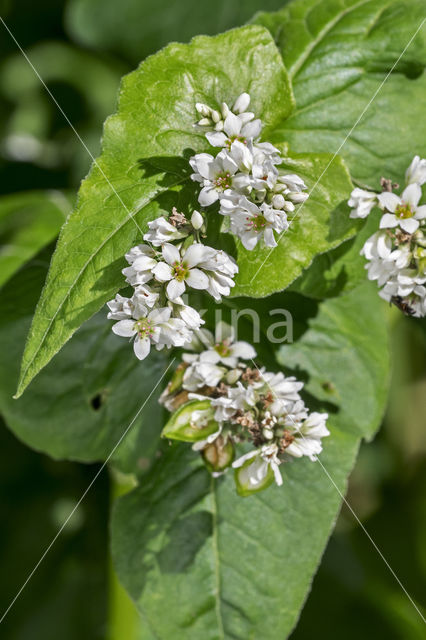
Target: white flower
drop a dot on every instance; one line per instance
(222, 348)
(290, 187)
(243, 158)
(405, 211)
(215, 174)
(200, 374)
(161, 231)
(235, 128)
(143, 299)
(142, 259)
(216, 119)
(416, 172)
(384, 261)
(266, 156)
(285, 391)
(185, 312)
(405, 283)
(157, 328)
(238, 398)
(252, 223)
(180, 270)
(120, 308)
(362, 202)
(307, 437)
(254, 474)
(220, 269)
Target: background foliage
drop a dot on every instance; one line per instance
(40, 152)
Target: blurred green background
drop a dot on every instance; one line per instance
(81, 48)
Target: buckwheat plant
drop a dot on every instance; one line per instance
(396, 253)
(218, 400)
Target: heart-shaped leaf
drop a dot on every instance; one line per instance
(142, 172)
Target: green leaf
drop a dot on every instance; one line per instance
(28, 222)
(254, 558)
(142, 160)
(142, 27)
(340, 270)
(320, 224)
(338, 53)
(84, 400)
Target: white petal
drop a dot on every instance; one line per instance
(157, 316)
(277, 474)
(197, 279)
(124, 328)
(143, 263)
(389, 201)
(243, 350)
(412, 194)
(421, 212)
(170, 253)
(232, 125)
(207, 196)
(210, 356)
(216, 138)
(241, 103)
(252, 129)
(163, 272)
(195, 254)
(388, 221)
(410, 225)
(175, 289)
(247, 456)
(249, 240)
(142, 348)
(201, 163)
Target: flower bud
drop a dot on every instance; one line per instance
(278, 201)
(241, 103)
(268, 433)
(215, 116)
(197, 220)
(203, 109)
(204, 122)
(297, 196)
(225, 110)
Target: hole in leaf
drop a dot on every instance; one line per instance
(97, 401)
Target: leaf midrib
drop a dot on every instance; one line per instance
(294, 70)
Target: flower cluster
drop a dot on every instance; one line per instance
(219, 397)
(244, 175)
(160, 272)
(396, 253)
